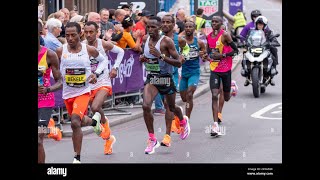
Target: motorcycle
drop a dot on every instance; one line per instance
(257, 60)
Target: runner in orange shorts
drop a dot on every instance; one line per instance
(102, 89)
(76, 76)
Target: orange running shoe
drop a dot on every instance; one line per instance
(105, 133)
(175, 126)
(55, 133)
(108, 145)
(166, 141)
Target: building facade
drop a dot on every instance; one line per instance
(82, 6)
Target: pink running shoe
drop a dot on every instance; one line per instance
(152, 145)
(185, 128)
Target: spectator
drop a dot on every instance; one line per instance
(107, 28)
(127, 39)
(60, 16)
(200, 22)
(54, 29)
(95, 17)
(127, 8)
(51, 16)
(77, 18)
(82, 36)
(40, 37)
(111, 15)
(73, 13)
(44, 31)
(141, 25)
(119, 15)
(161, 14)
(181, 19)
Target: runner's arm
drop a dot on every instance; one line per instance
(55, 66)
(229, 41)
(184, 46)
(175, 60)
(99, 57)
(115, 49)
(203, 50)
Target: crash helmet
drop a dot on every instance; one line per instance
(262, 20)
(255, 13)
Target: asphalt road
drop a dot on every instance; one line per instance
(253, 125)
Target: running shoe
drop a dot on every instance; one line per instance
(159, 112)
(108, 145)
(98, 127)
(166, 141)
(55, 133)
(185, 128)
(175, 126)
(234, 88)
(152, 145)
(105, 133)
(215, 130)
(76, 161)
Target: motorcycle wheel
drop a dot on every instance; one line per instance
(263, 89)
(255, 82)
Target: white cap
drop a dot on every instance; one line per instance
(161, 14)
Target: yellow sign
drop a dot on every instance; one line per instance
(75, 78)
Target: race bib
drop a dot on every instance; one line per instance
(75, 77)
(94, 64)
(193, 55)
(153, 66)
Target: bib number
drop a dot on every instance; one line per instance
(76, 77)
(153, 65)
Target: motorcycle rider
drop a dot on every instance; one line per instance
(261, 23)
(250, 25)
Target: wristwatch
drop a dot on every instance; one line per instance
(162, 56)
(48, 90)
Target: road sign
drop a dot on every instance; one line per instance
(210, 7)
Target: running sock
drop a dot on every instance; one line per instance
(77, 157)
(215, 124)
(152, 137)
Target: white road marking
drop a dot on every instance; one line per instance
(259, 113)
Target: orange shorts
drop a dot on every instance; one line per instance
(78, 105)
(108, 89)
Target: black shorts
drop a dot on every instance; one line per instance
(44, 115)
(164, 83)
(215, 78)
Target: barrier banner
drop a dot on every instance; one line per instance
(234, 6)
(131, 73)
